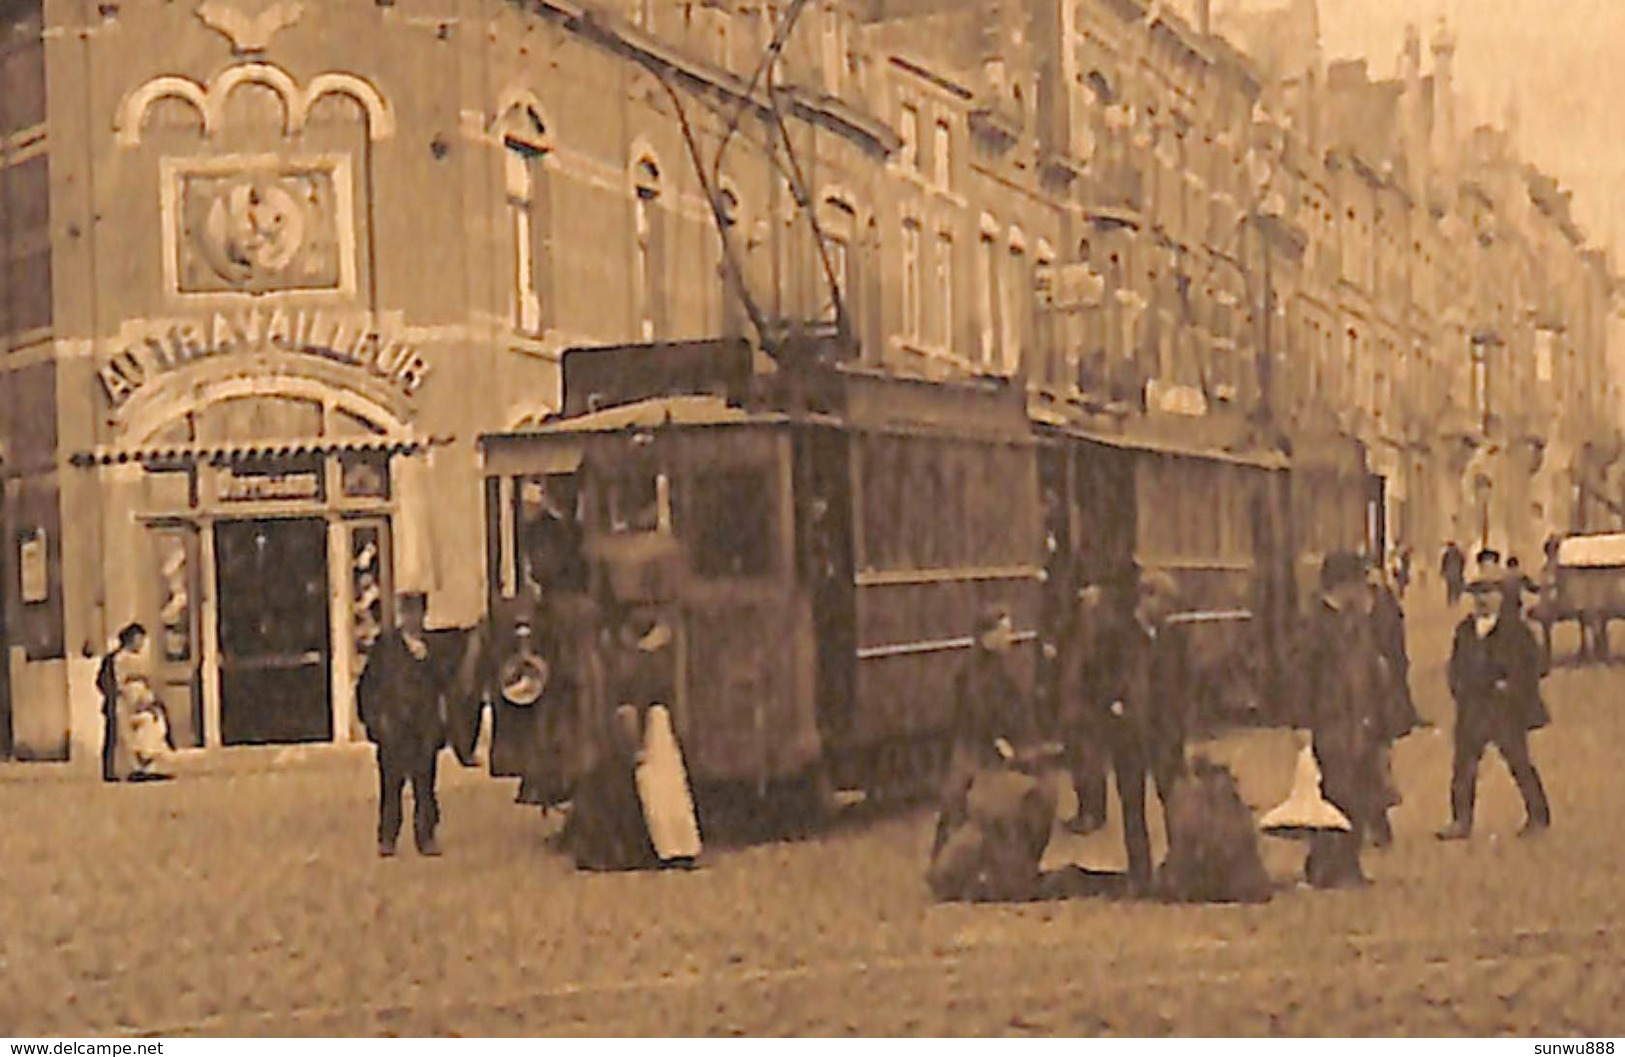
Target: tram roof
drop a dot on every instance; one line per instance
(686, 410)
(1267, 460)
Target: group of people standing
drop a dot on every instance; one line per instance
(1125, 693)
(580, 716)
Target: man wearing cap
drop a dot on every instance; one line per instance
(992, 718)
(1342, 700)
(1141, 707)
(399, 699)
(1495, 680)
(996, 815)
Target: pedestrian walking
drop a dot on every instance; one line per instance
(1341, 672)
(399, 696)
(1453, 570)
(1141, 711)
(1495, 680)
(1079, 684)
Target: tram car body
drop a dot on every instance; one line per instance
(825, 567)
(1214, 521)
(822, 568)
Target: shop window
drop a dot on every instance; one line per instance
(733, 524)
(367, 588)
(365, 475)
(174, 598)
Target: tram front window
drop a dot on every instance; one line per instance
(731, 524)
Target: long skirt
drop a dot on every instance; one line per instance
(605, 830)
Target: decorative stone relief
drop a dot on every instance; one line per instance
(249, 27)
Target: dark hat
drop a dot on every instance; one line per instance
(1485, 587)
(1341, 567)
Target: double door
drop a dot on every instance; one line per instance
(298, 601)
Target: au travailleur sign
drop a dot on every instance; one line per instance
(351, 339)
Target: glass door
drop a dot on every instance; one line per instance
(275, 641)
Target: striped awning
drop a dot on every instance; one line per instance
(224, 454)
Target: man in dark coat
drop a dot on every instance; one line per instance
(1495, 680)
(399, 698)
(1141, 709)
(1453, 570)
(1342, 688)
(1399, 715)
(131, 638)
(1076, 691)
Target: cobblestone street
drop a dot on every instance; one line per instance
(245, 898)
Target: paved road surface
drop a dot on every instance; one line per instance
(248, 901)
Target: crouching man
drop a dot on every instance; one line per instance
(399, 699)
(997, 812)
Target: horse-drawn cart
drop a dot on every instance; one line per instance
(1590, 589)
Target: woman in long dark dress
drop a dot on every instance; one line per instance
(606, 830)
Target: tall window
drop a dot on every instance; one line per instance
(649, 273)
(1042, 337)
(733, 309)
(724, 36)
(908, 131)
(1017, 286)
(834, 47)
(840, 224)
(529, 220)
(942, 155)
(943, 273)
(987, 284)
(911, 280)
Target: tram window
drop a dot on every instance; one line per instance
(631, 503)
(732, 521)
(549, 536)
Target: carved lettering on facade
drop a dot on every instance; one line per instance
(350, 339)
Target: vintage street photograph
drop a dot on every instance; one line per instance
(784, 518)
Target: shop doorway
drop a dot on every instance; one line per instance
(275, 640)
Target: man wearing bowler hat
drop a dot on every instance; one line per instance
(399, 699)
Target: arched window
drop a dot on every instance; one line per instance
(529, 202)
(839, 222)
(649, 281)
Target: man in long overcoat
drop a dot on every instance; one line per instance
(1495, 679)
(1399, 715)
(1342, 697)
(1141, 708)
(1077, 688)
(399, 698)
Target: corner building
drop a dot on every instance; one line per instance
(272, 269)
